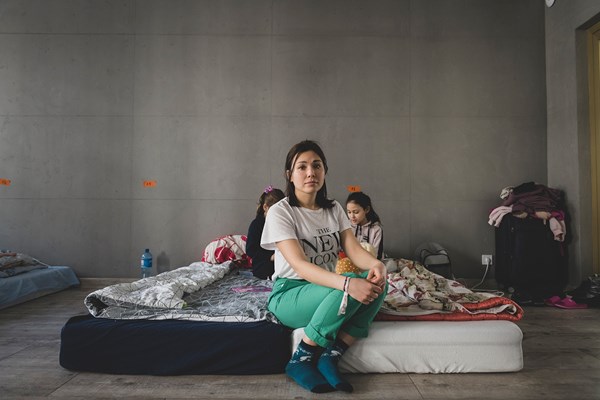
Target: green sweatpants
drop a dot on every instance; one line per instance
(298, 303)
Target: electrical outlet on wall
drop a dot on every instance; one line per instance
(487, 259)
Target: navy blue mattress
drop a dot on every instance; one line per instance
(173, 347)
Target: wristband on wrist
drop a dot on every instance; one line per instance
(344, 302)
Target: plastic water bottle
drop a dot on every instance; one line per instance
(146, 263)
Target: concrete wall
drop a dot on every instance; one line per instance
(569, 165)
(431, 106)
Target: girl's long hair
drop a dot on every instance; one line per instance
(364, 201)
(299, 148)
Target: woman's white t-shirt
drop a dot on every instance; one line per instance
(317, 231)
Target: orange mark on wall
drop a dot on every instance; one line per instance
(354, 188)
(149, 184)
(4, 182)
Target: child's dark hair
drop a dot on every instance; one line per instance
(299, 148)
(364, 201)
(269, 197)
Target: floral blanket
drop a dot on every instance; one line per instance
(414, 293)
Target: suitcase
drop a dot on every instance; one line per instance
(529, 262)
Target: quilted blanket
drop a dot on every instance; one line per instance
(414, 293)
(198, 292)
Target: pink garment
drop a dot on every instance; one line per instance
(559, 229)
(495, 217)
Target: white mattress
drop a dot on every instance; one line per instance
(434, 347)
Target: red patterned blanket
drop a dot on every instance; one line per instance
(414, 293)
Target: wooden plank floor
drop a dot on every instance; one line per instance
(561, 351)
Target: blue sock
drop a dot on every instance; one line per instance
(301, 368)
(328, 366)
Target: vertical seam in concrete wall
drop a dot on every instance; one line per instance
(410, 131)
(133, 124)
(271, 91)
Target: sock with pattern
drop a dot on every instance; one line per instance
(301, 368)
(328, 366)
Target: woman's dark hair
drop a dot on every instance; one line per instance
(364, 201)
(269, 197)
(299, 148)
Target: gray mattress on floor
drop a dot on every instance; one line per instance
(33, 284)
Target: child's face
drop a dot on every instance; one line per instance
(357, 214)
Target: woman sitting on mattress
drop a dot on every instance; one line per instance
(307, 230)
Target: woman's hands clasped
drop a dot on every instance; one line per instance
(378, 275)
(367, 290)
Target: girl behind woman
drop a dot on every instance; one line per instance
(307, 230)
(366, 224)
(262, 260)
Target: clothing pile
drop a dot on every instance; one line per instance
(533, 200)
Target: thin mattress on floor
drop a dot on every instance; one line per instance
(36, 283)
